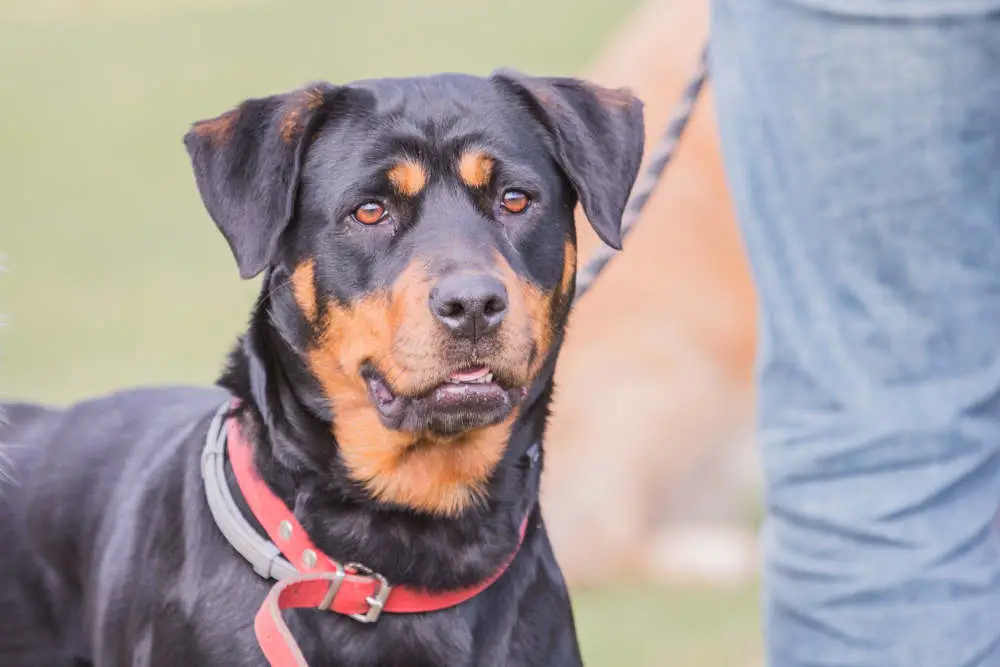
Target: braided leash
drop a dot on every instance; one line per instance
(650, 177)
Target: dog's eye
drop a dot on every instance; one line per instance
(515, 201)
(369, 213)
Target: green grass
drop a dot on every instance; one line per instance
(641, 626)
(115, 274)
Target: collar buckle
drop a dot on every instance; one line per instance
(376, 602)
(326, 604)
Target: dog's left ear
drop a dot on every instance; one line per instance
(247, 164)
(596, 138)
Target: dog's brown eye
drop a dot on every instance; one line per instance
(369, 213)
(515, 201)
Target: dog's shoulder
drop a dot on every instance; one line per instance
(109, 490)
(71, 471)
(112, 426)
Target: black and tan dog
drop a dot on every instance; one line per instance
(418, 248)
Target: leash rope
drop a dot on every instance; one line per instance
(650, 177)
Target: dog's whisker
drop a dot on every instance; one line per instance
(266, 298)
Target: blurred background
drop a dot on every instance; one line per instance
(115, 275)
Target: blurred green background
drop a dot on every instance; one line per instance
(116, 276)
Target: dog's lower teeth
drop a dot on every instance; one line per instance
(485, 379)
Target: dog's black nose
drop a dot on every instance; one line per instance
(469, 305)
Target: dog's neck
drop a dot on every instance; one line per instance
(287, 418)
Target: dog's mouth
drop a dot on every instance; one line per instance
(468, 398)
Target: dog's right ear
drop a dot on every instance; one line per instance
(247, 164)
(595, 135)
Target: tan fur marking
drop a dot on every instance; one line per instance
(218, 130)
(433, 476)
(613, 97)
(314, 98)
(475, 168)
(302, 103)
(528, 313)
(408, 177)
(538, 305)
(397, 332)
(569, 267)
(303, 288)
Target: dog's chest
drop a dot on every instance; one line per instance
(440, 639)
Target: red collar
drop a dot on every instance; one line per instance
(323, 583)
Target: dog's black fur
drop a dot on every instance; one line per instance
(109, 554)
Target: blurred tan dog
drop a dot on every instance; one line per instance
(653, 402)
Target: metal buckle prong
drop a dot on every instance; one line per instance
(331, 594)
(376, 603)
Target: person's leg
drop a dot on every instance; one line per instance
(864, 158)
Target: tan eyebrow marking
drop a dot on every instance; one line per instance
(475, 168)
(408, 177)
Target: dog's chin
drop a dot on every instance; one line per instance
(469, 399)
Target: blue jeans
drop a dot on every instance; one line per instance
(862, 146)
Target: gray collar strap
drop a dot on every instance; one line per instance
(262, 554)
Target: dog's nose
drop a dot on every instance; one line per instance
(469, 305)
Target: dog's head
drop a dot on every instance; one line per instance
(423, 232)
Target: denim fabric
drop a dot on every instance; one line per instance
(914, 9)
(864, 160)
